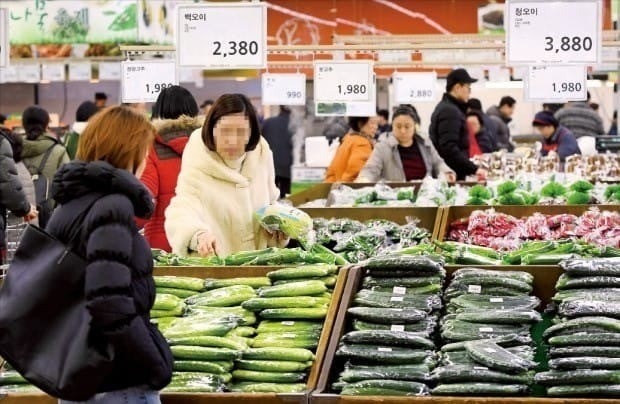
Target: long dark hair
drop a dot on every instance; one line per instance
(173, 102)
(35, 121)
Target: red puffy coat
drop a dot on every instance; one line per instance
(162, 169)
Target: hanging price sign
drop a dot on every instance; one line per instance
(220, 36)
(556, 83)
(284, 89)
(414, 87)
(53, 71)
(541, 32)
(109, 71)
(29, 73)
(80, 71)
(143, 80)
(343, 81)
(5, 48)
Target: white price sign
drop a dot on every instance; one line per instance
(109, 71)
(143, 80)
(5, 49)
(8, 74)
(80, 71)
(343, 81)
(29, 73)
(220, 36)
(53, 71)
(556, 83)
(284, 89)
(414, 87)
(541, 32)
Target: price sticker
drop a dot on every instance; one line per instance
(474, 289)
(53, 71)
(486, 329)
(397, 327)
(143, 80)
(556, 83)
(481, 368)
(414, 87)
(284, 89)
(29, 73)
(289, 335)
(384, 349)
(396, 299)
(490, 350)
(496, 300)
(399, 290)
(80, 71)
(222, 36)
(537, 32)
(343, 81)
(289, 323)
(109, 71)
(5, 48)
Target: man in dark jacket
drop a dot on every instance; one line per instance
(277, 133)
(501, 115)
(487, 136)
(12, 196)
(448, 129)
(557, 138)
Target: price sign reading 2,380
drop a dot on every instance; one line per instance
(143, 80)
(537, 32)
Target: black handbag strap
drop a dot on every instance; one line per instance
(78, 223)
(46, 157)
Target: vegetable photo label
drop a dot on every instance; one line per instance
(143, 80)
(222, 36)
(537, 32)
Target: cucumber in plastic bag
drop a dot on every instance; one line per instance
(585, 390)
(599, 339)
(480, 389)
(572, 351)
(475, 373)
(582, 308)
(356, 373)
(569, 282)
(475, 302)
(385, 388)
(585, 362)
(600, 324)
(474, 273)
(415, 264)
(495, 357)
(511, 340)
(579, 376)
(500, 316)
(592, 267)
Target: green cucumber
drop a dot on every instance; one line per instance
(354, 374)
(217, 328)
(203, 353)
(253, 282)
(476, 273)
(409, 282)
(215, 367)
(303, 288)
(269, 377)
(602, 324)
(273, 366)
(304, 271)
(500, 316)
(455, 330)
(569, 282)
(582, 308)
(475, 302)
(585, 362)
(278, 354)
(166, 302)
(208, 341)
(412, 263)
(592, 266)
(270, 326)
(398, 338)
(177, 311)
(387, 316)
(425, 327)
(480, 389)
(261, 303)
(485, 282)
(199, 377)
(385, 387)
(181, 293)
(421, 290)
(579, 376)
(383, 354)
(493, 356)
(223, 297)
(510, 340)
(599, 339)
(279, 388)
(585, 390)
(606, 351)
(369, 298)
(282, 340)
(246, 317)
(241, 332)
(11, 377)
(179, 282)
(475, 373)
(295, 313)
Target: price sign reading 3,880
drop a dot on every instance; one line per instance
(538, 32)
(218, 36)
(143, 80)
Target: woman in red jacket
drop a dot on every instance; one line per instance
(175, 118)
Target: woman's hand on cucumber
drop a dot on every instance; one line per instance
(207, 244)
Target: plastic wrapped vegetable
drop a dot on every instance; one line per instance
(578, 198)
(479, 195)
(553, 190)
(293, 222)
(581, 186)
(612, 193)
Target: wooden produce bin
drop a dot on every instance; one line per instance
(255, 398)
(545, 278)
(453, 213)
(29, 398)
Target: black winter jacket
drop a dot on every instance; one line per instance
(450, 136)
(277, 133)
(119, 283)
(12, 196)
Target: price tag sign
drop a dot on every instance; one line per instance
(142, 80)
(80, 71)
(556, 83)
(53, 72)
(29, 73)
(541, 32)
(222, 36)
(414, 87)
(5, 48)
(8, 74)
(284, 89)
(343, 81)
(109, 71)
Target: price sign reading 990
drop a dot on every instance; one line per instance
(284, 88)
(539, 32)
(343, 81)
(143, 80)
(222, 36)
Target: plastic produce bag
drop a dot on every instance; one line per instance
(293, 222)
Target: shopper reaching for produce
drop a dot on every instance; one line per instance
(404, 155)
(118, 281)
(557, 138)
(227, 174)
(354, 151)
(448, 129)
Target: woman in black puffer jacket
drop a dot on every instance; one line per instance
(118, 281)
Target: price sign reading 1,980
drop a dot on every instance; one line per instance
(556, 83)
(540, 32)
(143, 80)
(414, 87)
(222, 36)
(343, 81)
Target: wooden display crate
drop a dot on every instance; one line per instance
(545, 278)
(452, 213)
(267, 398)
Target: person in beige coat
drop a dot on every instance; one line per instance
(403, 155)
(227, 173)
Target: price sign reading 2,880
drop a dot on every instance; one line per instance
(539, 32)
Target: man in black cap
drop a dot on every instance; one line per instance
(448, 129)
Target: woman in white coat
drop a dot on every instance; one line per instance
(227, 173)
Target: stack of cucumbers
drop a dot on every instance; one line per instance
(12, 382)
(486, 328)
(292, 313)
(584, 343)
(390, 350)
